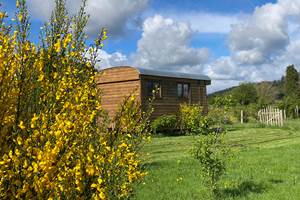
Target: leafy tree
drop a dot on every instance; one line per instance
(225, 101)
(291, 90)
(266, 93)
(245, 94)
(291, 83)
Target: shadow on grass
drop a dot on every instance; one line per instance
(154, 164)
(275, 181)
(244, 189)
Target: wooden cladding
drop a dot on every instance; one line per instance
(113, 94)
(116, 84)
(117, 74)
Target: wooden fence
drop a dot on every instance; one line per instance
(271, 116)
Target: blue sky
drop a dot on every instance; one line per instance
(220, 6)
(232, 41)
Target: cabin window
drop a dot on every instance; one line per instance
(154, 86)
(183, 90)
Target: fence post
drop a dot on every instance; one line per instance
(277, 117)
(271, 115)
(242, 117)
(268, 115)
(281, 118)
(259, 115)
(264, 115)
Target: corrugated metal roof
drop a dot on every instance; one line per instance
(173, 74)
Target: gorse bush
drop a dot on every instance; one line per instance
(55, 140)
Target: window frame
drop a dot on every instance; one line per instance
(154, 84)
(181, 95)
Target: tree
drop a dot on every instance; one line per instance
(291, 84)
(266, 93)
(245, 94)
(213, 156)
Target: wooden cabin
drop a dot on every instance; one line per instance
(172, 88)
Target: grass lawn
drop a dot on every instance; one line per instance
(266, 165)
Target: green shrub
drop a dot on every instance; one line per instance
(192, 120)
(289, 104)
(190, 117)
(165, 124)
(220, 117)
(212, 155)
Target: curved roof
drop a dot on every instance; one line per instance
(164, 73)
(173, 74)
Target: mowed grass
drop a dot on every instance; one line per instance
(265, 165)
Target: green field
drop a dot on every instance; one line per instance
(266, 165)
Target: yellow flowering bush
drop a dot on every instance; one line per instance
(56, 142)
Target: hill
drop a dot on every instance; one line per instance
(272, 90)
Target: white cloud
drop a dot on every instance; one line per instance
(112, 14)
(41, 9)
(223, 68)
(261, 46)
(265, 34)
(108, 60)
(291, 55)
(165, 43)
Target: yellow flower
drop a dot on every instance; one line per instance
(17, 152)
(19, 140)
(67, 40)
(57, 133)
(104, 34)
(102, 195)
(35, 167)
(2, 15)
(20, 17)
(33, 120)
(57, 46)
(55, 74)
(41, 77)
(57, 97)
(99, 180)
(90, 170)
(21, 125)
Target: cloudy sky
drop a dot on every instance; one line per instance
(232, 41)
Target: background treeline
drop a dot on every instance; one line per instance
(251, 97)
